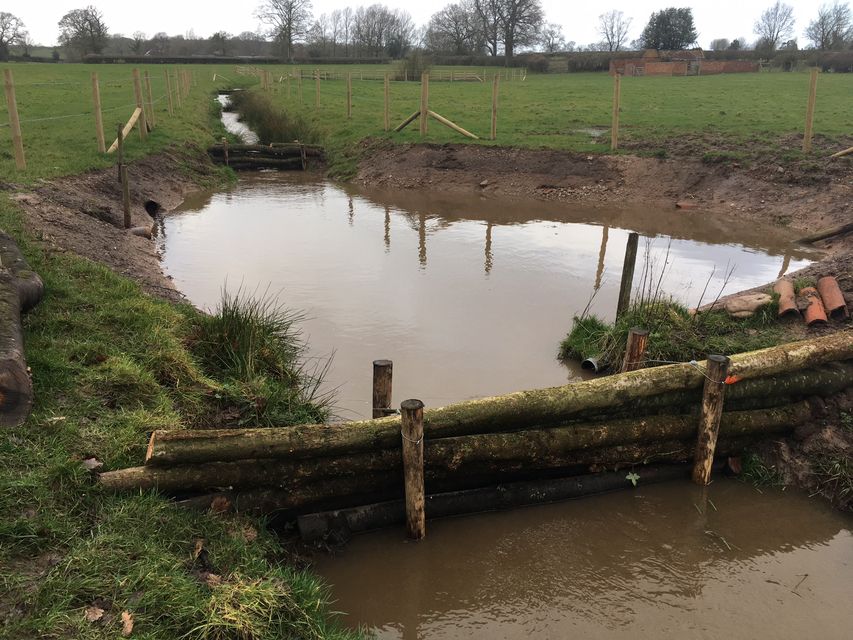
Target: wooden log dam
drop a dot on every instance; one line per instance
(643, 421)
(284, 156)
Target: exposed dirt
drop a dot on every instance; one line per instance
(83, 214)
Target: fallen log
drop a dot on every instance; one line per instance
(827, 233)
(266, 163)
(305, 441)
(490, 455)
(287, 150)
(343, 523)
(20, 290)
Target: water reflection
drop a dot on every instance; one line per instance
(473, 297)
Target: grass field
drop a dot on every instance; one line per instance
(733, 116)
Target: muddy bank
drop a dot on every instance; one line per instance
(83, 214)
(771, 194)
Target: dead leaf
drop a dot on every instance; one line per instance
(93, 613)
(92, 464)
(249, 534)
(220, 504)
(199, 548)
(126, 623)
(211, 579)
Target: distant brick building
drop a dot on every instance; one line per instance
(678, 63)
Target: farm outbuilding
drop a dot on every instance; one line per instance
(678, 63)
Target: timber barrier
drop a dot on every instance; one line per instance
(278, 155)
(533, 446)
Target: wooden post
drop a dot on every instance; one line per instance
(807, 138)
(349, 96)
(288, 85)
(635, 351)
(125, 196)
(382, 374)
(299, 86)
(99, 118)
(317, 88)
(169, 92)
(120, 152)
(152, 118)
(387, 114)
(225, 149)
(627, 274)
(14, 121)
(709, 425)
(178, 88)
(495, 107)
(137, 90)
(617, 100)
(413, 466)
(424, 103)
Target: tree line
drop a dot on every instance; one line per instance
(464, 28)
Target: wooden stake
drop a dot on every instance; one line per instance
(627, 274)
(807, 138)
(14, 121)
(617, 100)
(841, 154)
(452, 125)
(349, 96)
(387, 113)
(709, 425)
(635, 352)
(169, 92)
(424, 103)
(317, 88)
(134, 118)
(125, 196)
(405, 123)
(299, 86)
(119, 144)
(149, 94)
(137, 90)
(382, 374)
(99, 118)
(225, 149)
(177, 88)
(495, 107)
(413, 466)
(288, 85)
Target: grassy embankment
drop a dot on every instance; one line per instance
(109, 364)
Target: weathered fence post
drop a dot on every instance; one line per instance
(120, 152)
(807, 138)
(99, 118)
(387, 114)
(178, 88)
(14, 121)
(413, 466)
(382, 375)
(709, 424)
(299, 86)
(635, 351)
(225, 149)
(627, 274)
(349, 96)
(617, 99)
(150, 96)
(125, 196)
(169, 92)
(495, 107)
(317, 84)
(137, 91)
(424, 103)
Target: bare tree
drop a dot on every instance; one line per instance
(552, 38)
(83, 30)
(455, 29)
(489, 14)
(775, 25)
(11, 33)
(833, 27)
(613, 27)
(288, 21)
(521, 21)
(137, 44)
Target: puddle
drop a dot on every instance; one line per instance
(468, 296)
(231, 121)
(650, 563)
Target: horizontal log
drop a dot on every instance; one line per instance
(285, 149)
(305, 441)
(489, 454)
(342, 523)
(27, 282)
(137, 113)
(265, 163)
(831, 232)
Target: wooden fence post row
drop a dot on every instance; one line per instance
(14, 121)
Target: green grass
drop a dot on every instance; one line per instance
(725, 118)
(109, 365)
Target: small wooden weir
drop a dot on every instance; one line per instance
(541, 445)
(284, 156)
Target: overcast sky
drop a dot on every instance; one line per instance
(717, 19)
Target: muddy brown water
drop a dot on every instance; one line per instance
(656, 562)
(468, 296)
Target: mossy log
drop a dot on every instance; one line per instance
(487, 455)
(20, 290)
(574, 401)
(284, 150)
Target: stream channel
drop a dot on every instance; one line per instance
(470, 296)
